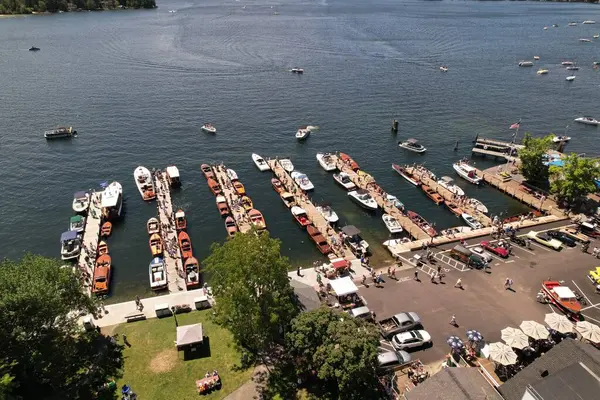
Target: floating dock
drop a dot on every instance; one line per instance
(496, 148)
(233, 199)
(409, 226)
(172, 254)
(91, 235)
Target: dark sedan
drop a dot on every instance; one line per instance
(563, 237)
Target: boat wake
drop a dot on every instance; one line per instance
(312, 128)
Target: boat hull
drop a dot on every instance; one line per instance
(465, 175)
(403, 173)
(370, 207)
(260, 163)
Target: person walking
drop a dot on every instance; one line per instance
(440, 276)
(433, 278)
(416, 275)
(298, 272)
(458, 284)
(137, 302)
(453, 320)
(389, 272)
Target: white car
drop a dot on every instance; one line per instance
(545, 239)
(482, 253)
(410, 339)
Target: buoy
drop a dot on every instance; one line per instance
(395, 126)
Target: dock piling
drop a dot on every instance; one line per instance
(395, 126)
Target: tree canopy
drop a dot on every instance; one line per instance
(575, 179)
(44, 353)
(532, 164)
(29, 6)
(336, 349)
(254, 299)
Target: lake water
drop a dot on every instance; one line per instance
(138, 85)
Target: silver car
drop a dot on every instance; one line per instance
(480, 251)
(392, 359)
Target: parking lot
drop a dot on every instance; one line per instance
(483, 304)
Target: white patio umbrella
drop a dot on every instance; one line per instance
(515, 338)
(534, 330)
(559, 323)
(589, 331)
(502, 354)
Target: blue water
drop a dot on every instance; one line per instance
(137, 85)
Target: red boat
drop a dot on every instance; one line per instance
(349, 161)
(456, 210)
(319, 239)
(192, 273)
(277, 185)
(422, 223)
(214, 186)
(432, 194)
(562, 297)
(207, 171)
(300, 216)
(406, 175)
(185, 244)
(180, 221)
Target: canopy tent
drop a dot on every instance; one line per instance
(588, 331)
(80, 195)
(343, 286)
(179, 214)
(339, 263)
(502, 354)
(69, 235)
(350, 230)
(514, 338)
(558, 322)
(534, 330)
(189, 335)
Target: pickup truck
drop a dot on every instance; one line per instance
(399, 323)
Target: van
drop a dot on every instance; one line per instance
(464, 255)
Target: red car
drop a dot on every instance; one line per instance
(497, 250)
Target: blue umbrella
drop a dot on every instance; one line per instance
(455, 342)
(474, 336)
(452, 339)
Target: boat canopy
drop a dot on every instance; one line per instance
(298, 210)
(76, 218)
(69, 235)
(179, 214)
(362, 191)
(220, 199)
(80, 195)
(350, 230)
(446, 179)
(343, 286)
(156, 261)
(564, 292)
(173, 171)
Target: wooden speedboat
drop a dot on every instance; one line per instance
(300, 216)
(102, 248)
(239, 188)
(156, 245)
(180, 221)
(185, 244)
(562, 297)
(192, 273)
(349, 161)
(101, 280)
(214, 186)
(432, 194)
(288, 199)
(246, 202)
(230, 226)
(277, 185)
(152, 226)
(222, 206)
(207, 171)
(406, 175)
(454, 209)
(422, 223)
(106, 229)
(319, 239)
(257, 219)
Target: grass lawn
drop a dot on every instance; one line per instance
(156, 370)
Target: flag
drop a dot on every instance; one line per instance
(516, 125)
(103, 184)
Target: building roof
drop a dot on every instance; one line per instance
(455, 384)
(572, 382)
(547, 367)
(306, 296)
(189, 334)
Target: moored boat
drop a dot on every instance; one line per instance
(587, 121)
(297, 70)
(454, 209)
(180, 221)
(60, 133)
(422, 223)
(192, 273)
(230, 226)
(448, 183)
(222, 206)
(156, 245)
(300, 216)
(153, 226)
(207, 171)
(302, 181)
(561, 139)
(413, 179)
(478, 205)
(70, 245)
(257, 219)
(562, 297)
(412, 145)
(526, 64)
(302, 133)
(81, 202)
(246, 203)
(260, 162)
(77, 223)
(106, 229)
(102, 248)
(209, 128)
(328, 213)
(158, 274)
(144, 183)
(326, 161)
(288, 199)
(232, 175)
(391, 223)
(343, 179)
(542, 71)
(363, 199)
(112, 201)
(317, 237)
(572, 68)
(213, 186)
(467, 172)
(101, 280)
(394, 201)
(173, 176)
(349, 161)
(277, 186)
(239, 188)
(185, 244)
(286, 164)
(432, 194)
(456, 230)
(472, 222)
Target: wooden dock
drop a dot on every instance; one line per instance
(496, 148)
(233, 199)
(425, 177)
(87, 257)
(407, 224)
(172, 254)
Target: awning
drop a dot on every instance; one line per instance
(189, 334)
(350, 230)
(339, 263)
(69, 235)
(343, 286)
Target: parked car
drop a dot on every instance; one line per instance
(563, 237)
(466, 256)
(362, 312)
(399, 323)
(411, 339)
(495, 249)
(545, 239)
(483, 255)
(594, 276)
(575, 234)
(390, 360)
(589, 229)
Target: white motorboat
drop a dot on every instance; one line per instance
(565, 63)
(302, 181)
(587, 121)
(391, 223)
(112, 201)
(328, 213)
(572, 24)
(571, 78)
(572, 68)
(589, 22)
(363, 199)
(412, 145)
(394, 200)
(596, 36)
(536, 58)
(542, 71)
(77, 223)
(81, 202)
(465, 171)
(260, 162)
(448, 183)
(297, 70)
(209, 128)
(302, 133)
(444, 69)
(344, 180)
(70, 245)
(173, 176)
(232, 175)
(144, 183)
(545, 28)
(390, 244)
(585, 40)
(478, 205)
(158, 274)
(286, 164)
(456, 230)
(472, 222)
(326, 161)
(526, 64)
(404, 173)
(561, 139)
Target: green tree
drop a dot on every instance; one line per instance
(532, 164)
(575, 179)
(338, 350)
(254, 299)
(44, 351)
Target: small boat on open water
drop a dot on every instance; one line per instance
(412, 145)
(60, 133)
(302, 133)
(587, 121)
(209, 128)
(260, 162)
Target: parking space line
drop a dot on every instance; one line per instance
(524, 249)
(539, 245)
(595, 320)
(592, 306)
(582, 292)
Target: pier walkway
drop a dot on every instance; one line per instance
(87, 257)
(496, 148)
(409, 226)
(233, 199)
(425, 177)
(172, 254)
